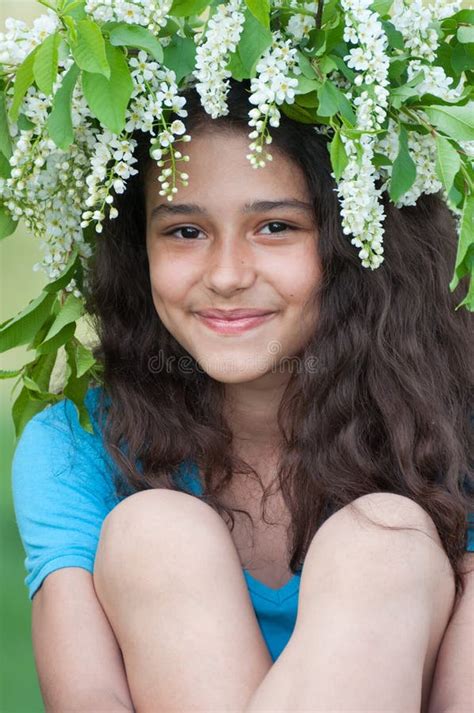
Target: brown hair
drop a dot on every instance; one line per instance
(388, 405)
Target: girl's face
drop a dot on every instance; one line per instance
(234, 238)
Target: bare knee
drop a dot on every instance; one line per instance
(150, 532)
(383, 533)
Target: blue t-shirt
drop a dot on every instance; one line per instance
(63, 488)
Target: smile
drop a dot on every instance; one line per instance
(234, 326)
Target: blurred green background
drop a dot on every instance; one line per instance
(19, 690)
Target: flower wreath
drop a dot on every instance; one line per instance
(388, 81)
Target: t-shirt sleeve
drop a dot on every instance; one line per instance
(470, 533)
(62, 491)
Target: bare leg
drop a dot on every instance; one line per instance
(373, 608)
(170, 581)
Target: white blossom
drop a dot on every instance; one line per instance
(423, 151)
(361, 210)
(300, 25)
(418, 22)
(151, 14)
(272, 86)
(20, 39)
(212, 56)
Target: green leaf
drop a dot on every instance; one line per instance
(260, 9)
(67, 274)
(45, 66)
(5, 168)
(180, 8)
(339, 158)
(299, 113)
(309, 100)
(24, 124)
(7, 223)
(380, 160)
(306, 67)
(24, 409)
(37, 372)
(403, 169)
(454, 121)
(465, 34)
(463, 16)
(465, 243)
(462, 58)
(23, 80)
(71, 310)
(76, 388)
(59, 121)
(125, 35)
(108, 98)
(394, 36)
(332, 101)
(5, 140)
(59, 339)
(9, 373)
(254, 40)
(328, 99)
(21, 329)
(382, 7)
(75, 9)
(306, 85)
(180, 56)
(468, 301)
(84, 359)
(448, 162)
(90, 50)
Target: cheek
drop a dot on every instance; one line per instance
(297, 275)
(170, 279)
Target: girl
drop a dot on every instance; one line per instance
(309, 422)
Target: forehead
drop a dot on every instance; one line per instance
(219, 171)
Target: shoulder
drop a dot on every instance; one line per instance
(63, 486)
(53, 445)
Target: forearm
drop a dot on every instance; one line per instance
(453, 688)
(103, 701)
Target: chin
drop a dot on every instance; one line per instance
(233, 373)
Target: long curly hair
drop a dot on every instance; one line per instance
(387, 405)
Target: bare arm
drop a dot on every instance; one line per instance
(453, 685)
(78, 660)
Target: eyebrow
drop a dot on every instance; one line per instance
(254, 207)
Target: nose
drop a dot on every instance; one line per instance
(230, 265)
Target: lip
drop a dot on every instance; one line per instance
(231, 314)
(234, 326)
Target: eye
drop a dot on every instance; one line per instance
(190, 233)
(277, 223)
(188, 228)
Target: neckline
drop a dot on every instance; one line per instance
(279, 595)
(191, 477)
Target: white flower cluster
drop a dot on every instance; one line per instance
(361, 210)
(20, 39)
(151, 14)
(364, 29)
(418, 23)
(44, 179)
(108, 149)
(272, 86)
(212, 57)
(301, 23)
(58, 193)
(154, 91)
(422, 148)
